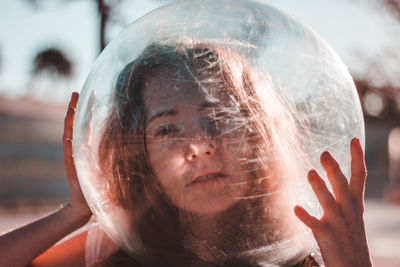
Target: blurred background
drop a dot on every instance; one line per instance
(47, 48)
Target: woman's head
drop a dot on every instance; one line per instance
(193, 129)
(180, 131)
(198, 152)
(191, 125)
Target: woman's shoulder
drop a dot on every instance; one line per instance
(70, 252)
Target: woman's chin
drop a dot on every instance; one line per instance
(212, 201)
(211, 206)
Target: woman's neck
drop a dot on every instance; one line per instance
(205, 234)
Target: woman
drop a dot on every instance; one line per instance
(186, 159)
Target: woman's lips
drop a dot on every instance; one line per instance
(208, 178)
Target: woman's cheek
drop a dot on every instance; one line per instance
(167, 162)
(235, 148)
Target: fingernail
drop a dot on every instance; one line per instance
(312, 176)
(326, 155)
(355, 141)
(298, 208)
(312, 173)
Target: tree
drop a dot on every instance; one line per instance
(104, 8)
(107, 10)
(51, 64)
(51, 73)
(53, 61)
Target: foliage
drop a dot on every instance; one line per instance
(53, 61)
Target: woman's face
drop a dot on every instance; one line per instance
(196, 147)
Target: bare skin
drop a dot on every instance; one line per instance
(181, 147)
(21, 246)
(340, 233)
(77, 200)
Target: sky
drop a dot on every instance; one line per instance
(351, 28)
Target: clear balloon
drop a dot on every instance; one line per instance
(197, 125)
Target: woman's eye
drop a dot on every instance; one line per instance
(214, 124)
(221, 124)
(166, 130)
(212, 127)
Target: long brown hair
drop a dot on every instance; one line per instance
(132, 184)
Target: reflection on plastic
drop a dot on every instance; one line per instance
(203, 118)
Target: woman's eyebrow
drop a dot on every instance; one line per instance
(207, 105)
(164, 113)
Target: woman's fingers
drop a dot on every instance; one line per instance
(67, 138)
(336, 178)
(347, 194)
(69, 118)
(69, 163)
(77, 201)
(358, 171)
(325, 197)
(306, 218)
(340, 233)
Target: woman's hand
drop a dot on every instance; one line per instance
(20, 246)
(340, 233)
(77, 204)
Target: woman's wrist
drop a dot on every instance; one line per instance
(76, 216)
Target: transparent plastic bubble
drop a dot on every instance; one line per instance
(197, 125)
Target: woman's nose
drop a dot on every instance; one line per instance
(199, 149)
